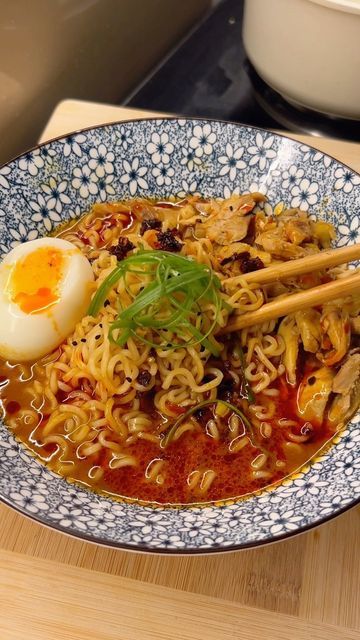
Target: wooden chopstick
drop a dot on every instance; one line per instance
(328, 258)
(295, 302)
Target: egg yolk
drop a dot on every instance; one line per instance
(34, 281)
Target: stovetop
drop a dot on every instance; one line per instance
(208, 75)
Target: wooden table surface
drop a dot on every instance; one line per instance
(54, 587)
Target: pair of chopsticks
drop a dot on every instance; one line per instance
(305, 299)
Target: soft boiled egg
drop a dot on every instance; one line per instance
(45, 289)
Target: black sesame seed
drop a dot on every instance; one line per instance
(100, 325)
(128, 379)
(74, 343)
(83, 339)
(311, 380)
(106, 303)
(98, 336)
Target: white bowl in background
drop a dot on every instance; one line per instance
(308, 51)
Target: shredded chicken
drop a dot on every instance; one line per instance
(289, 332)
(336, 337)
(227, 221)
(346, 385)
(348, 375)
(297, 230)
(308, 322)
(291, 235)
(313, 395)
(276, 245)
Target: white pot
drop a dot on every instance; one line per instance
(308, 51)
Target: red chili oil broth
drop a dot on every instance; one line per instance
(193, 450)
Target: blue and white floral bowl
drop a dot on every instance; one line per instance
(58, 181)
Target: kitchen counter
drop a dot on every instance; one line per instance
(54, 587)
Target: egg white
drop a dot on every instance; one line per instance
(29, 336)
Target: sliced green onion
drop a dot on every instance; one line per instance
(174, 290)
(171, 432)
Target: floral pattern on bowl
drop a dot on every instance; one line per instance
(57, 182)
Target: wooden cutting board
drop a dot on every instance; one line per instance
(53, 587)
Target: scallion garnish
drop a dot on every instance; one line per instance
(175, 291)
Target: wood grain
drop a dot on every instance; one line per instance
(325, 259)
(63, 603)
(295, 302)
(70, 115)
(315, 575)
(55, 587)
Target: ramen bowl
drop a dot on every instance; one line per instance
(58, 181)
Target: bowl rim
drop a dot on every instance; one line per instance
(201, 551)
(176, 118)
(143, 547)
